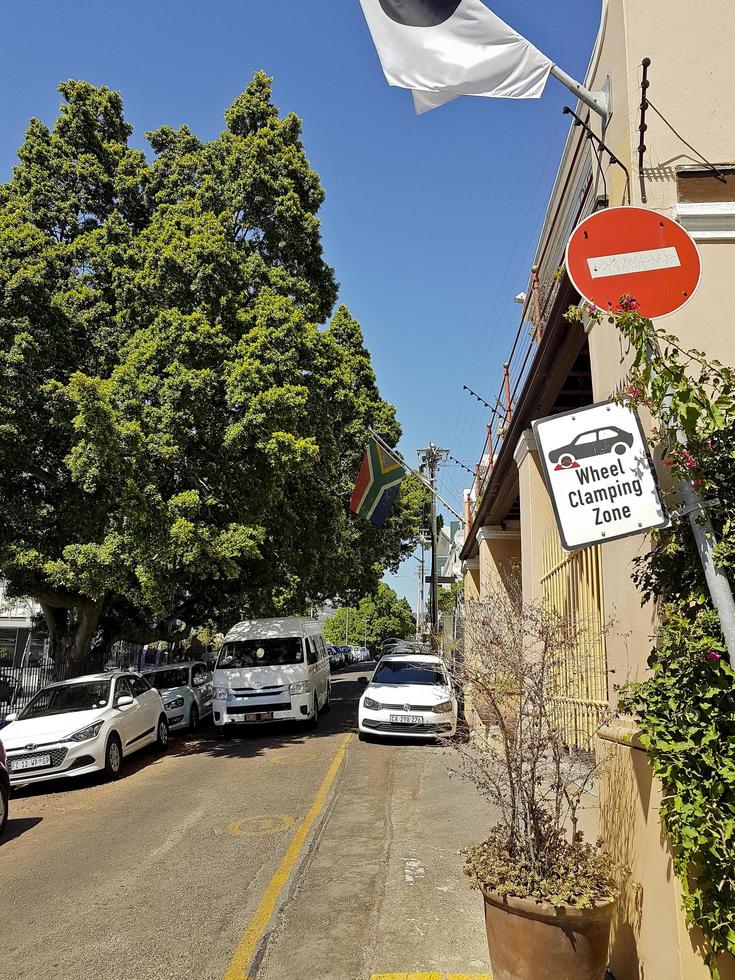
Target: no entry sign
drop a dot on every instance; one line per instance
(636, 252)
(602, 483)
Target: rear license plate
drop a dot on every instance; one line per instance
(406, 720)
(32, 762)
(261, 716)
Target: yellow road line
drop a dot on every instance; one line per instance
(256, 927)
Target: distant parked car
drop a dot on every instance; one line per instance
(4, 789)
(336, 657)
(88, 724)
(186, 692)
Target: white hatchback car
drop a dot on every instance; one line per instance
(88, 724)
(409, 695)
(186, 691)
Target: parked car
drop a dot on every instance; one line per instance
(409, 695)
(336, 657)
(4, 789)
(88, 724)
(271, 670)
(186, 692)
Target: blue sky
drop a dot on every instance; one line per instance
(430, 222)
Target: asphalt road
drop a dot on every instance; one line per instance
(279, 854)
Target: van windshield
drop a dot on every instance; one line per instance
(270, 652)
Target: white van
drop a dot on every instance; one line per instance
(271, 670)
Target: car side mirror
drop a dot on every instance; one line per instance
(13, 716)
(124, 701)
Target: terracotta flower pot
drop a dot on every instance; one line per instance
(532, 941)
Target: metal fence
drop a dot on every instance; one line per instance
(572, 585)
(19, 684)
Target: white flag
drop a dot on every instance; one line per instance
(445, 48)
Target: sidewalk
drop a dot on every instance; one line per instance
(380, 894)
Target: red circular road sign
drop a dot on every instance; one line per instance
(635, 252)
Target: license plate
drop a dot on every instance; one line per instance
(261, 716)
(32, 762)
(406, 720)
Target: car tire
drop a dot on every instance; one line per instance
(566, 460)
(4, 794)
(313, 722)
(328, 703)
(113, 757)
(194, 718)
(162, 733)
(620, 448)
(363, 737)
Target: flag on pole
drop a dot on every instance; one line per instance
(377, 484)
(444, 48)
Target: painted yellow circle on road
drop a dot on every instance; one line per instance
(283, 757)
(261, 826)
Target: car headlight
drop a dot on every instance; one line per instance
(300, 687)
(219, 693)
(443, 708)
(91, 731)
(372, 705)
(176, 703)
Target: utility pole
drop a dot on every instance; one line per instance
(431, 457)
(347, 624)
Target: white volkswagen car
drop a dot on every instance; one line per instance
(409, 695)
(186, 691)
(88, 724)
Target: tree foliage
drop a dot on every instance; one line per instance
(378, 616)
(178, 435)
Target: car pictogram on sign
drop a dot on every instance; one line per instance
(594, 442)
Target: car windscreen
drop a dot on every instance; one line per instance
(407, 672)
(70, 697)
(271, 652)
(164, 679)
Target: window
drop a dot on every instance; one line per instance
(122, 689)
(585, 439)
(68, 697)
(138, 686)
(164, 680)
(408, 672)
(312, 654)
(608, 434)
(266, 652)
(198, 674)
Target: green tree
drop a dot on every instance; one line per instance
(178, 435)
(379, 615)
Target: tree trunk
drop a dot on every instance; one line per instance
(57, 623)
(88, 617)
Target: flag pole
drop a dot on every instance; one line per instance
(599, 102)
(402, 461)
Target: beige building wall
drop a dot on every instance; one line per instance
(692, 76)
(499, 553)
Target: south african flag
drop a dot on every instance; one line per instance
(377, 484)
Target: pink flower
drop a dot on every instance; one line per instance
(714, 656)
(628, 303)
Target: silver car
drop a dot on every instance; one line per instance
(186, 692)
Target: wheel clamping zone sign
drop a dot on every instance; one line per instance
(599, 473)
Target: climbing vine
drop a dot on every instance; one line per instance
(686, 707)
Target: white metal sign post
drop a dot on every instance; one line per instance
(600, 476)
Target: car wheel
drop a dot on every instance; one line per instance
(194, 718)
(620, 448)
(162, 733)
(362, 737)
(313, 722)
(566, 460)
(328, 702)
(113, 757)
(3, 808)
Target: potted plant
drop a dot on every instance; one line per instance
(548, 894)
